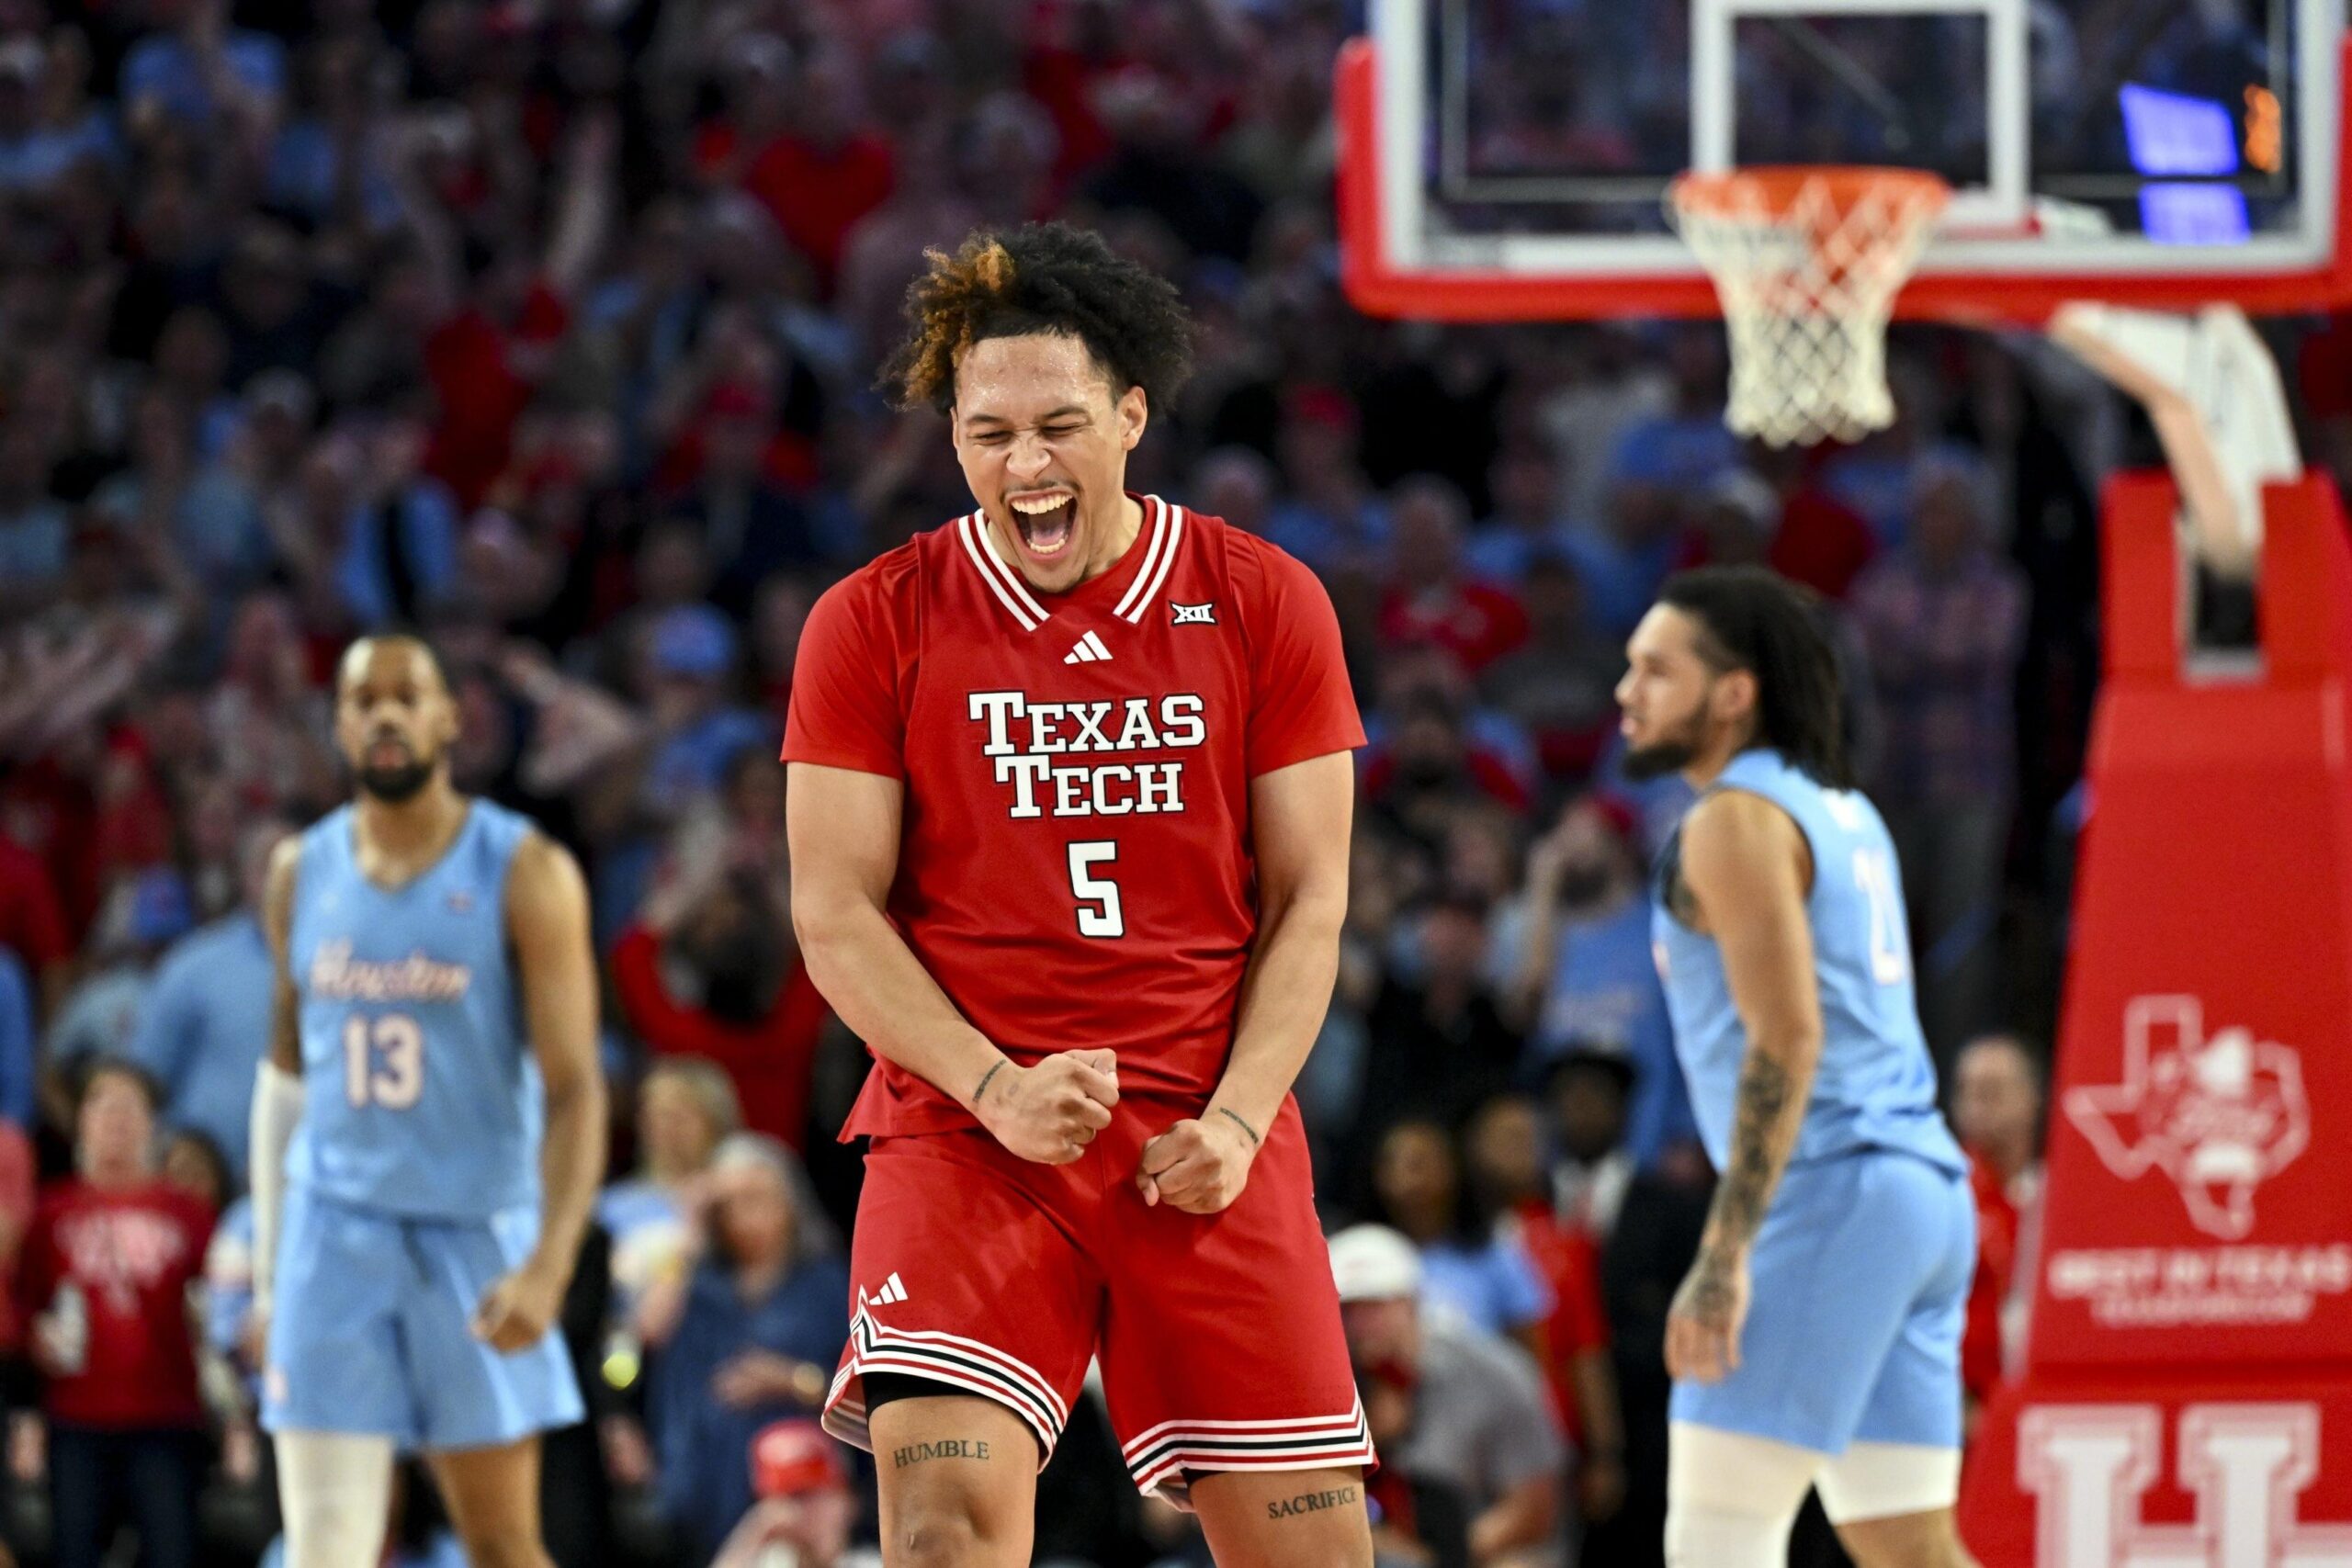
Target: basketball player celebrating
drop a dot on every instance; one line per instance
(1069, 804)
(413, 1244)
(1815, 1341)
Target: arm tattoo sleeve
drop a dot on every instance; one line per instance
(1765, 1118)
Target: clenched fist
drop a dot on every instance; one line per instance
(1051, 1112)
(1198, 1166)
(517, 1312)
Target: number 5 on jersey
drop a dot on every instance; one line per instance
(1098, 896)
(383, 1061)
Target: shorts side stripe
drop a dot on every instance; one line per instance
(1165, 1475)
(925, 1341)
(1219, 1428)
(876, 1349)
(1175, 1463)
(1257, 1449)
(1016, 1384)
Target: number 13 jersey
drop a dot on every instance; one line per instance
(1074, 861)
(419, 1093)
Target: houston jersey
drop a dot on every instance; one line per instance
(419, 1095)
(1875, 1086)
(1074, 861)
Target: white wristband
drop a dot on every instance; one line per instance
(277, 1108)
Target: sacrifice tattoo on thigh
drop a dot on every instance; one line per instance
(1310, 1503)
(948, 1447)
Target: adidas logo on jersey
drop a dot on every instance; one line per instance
(1089, 649)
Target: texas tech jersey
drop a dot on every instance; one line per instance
(1074, 864)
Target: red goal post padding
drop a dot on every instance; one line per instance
(2188, 1391)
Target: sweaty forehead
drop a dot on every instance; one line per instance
(1021, 379)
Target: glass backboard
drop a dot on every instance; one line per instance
(1505, 158)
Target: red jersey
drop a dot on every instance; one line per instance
(1996, 1252)
(1074, 866)
(132, 1255)
(1570, 1264)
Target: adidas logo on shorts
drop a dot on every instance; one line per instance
(893, 1290)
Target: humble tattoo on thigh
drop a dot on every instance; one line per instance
(948, 1447)
(1310, 1503)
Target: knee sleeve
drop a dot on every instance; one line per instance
(1732, 1499)
(336, 1492)
(1879, 1480)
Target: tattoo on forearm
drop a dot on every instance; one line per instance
(1706, 1293)
(1310, 1503)
(1760, 1148)
(1245, 1126)
(950, 1448)
(984, 1077)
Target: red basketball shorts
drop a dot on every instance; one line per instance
(1219, 1334)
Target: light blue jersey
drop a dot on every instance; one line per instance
(1875, 1087)
(414, 1176)
(1859, 1275)
(420, 1095)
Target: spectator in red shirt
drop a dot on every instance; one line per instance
(1776, 516)
(753, 1009)
(15, 1223)
(1819, 542)
(752, 75)
(105, 1278)
(830, 170)
(1432, 597)
(486, 359)
(1427, 763)
(1996, 1109)
(1504, 1150)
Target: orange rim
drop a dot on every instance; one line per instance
(1768, 191)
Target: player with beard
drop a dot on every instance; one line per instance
(1816, 1340)
(1068, 807)
(428, 1133)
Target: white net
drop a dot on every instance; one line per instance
(1807, 263)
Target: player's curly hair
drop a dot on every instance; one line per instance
(1043, 277)
(1753, 620)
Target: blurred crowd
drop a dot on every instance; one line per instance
(547, 326)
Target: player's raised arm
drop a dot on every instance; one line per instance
(843, 826)
(277, 1084)
(547, 919)
(1301, 820)
(1748, 867)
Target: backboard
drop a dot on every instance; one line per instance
(1509, 159)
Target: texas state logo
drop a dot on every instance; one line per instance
(2219, 1115)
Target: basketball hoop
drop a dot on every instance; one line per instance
(1807, 262)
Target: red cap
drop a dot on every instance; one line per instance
(792, 1457)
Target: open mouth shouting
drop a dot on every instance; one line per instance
(1046, 521)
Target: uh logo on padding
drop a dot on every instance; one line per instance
(2246, 1466)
